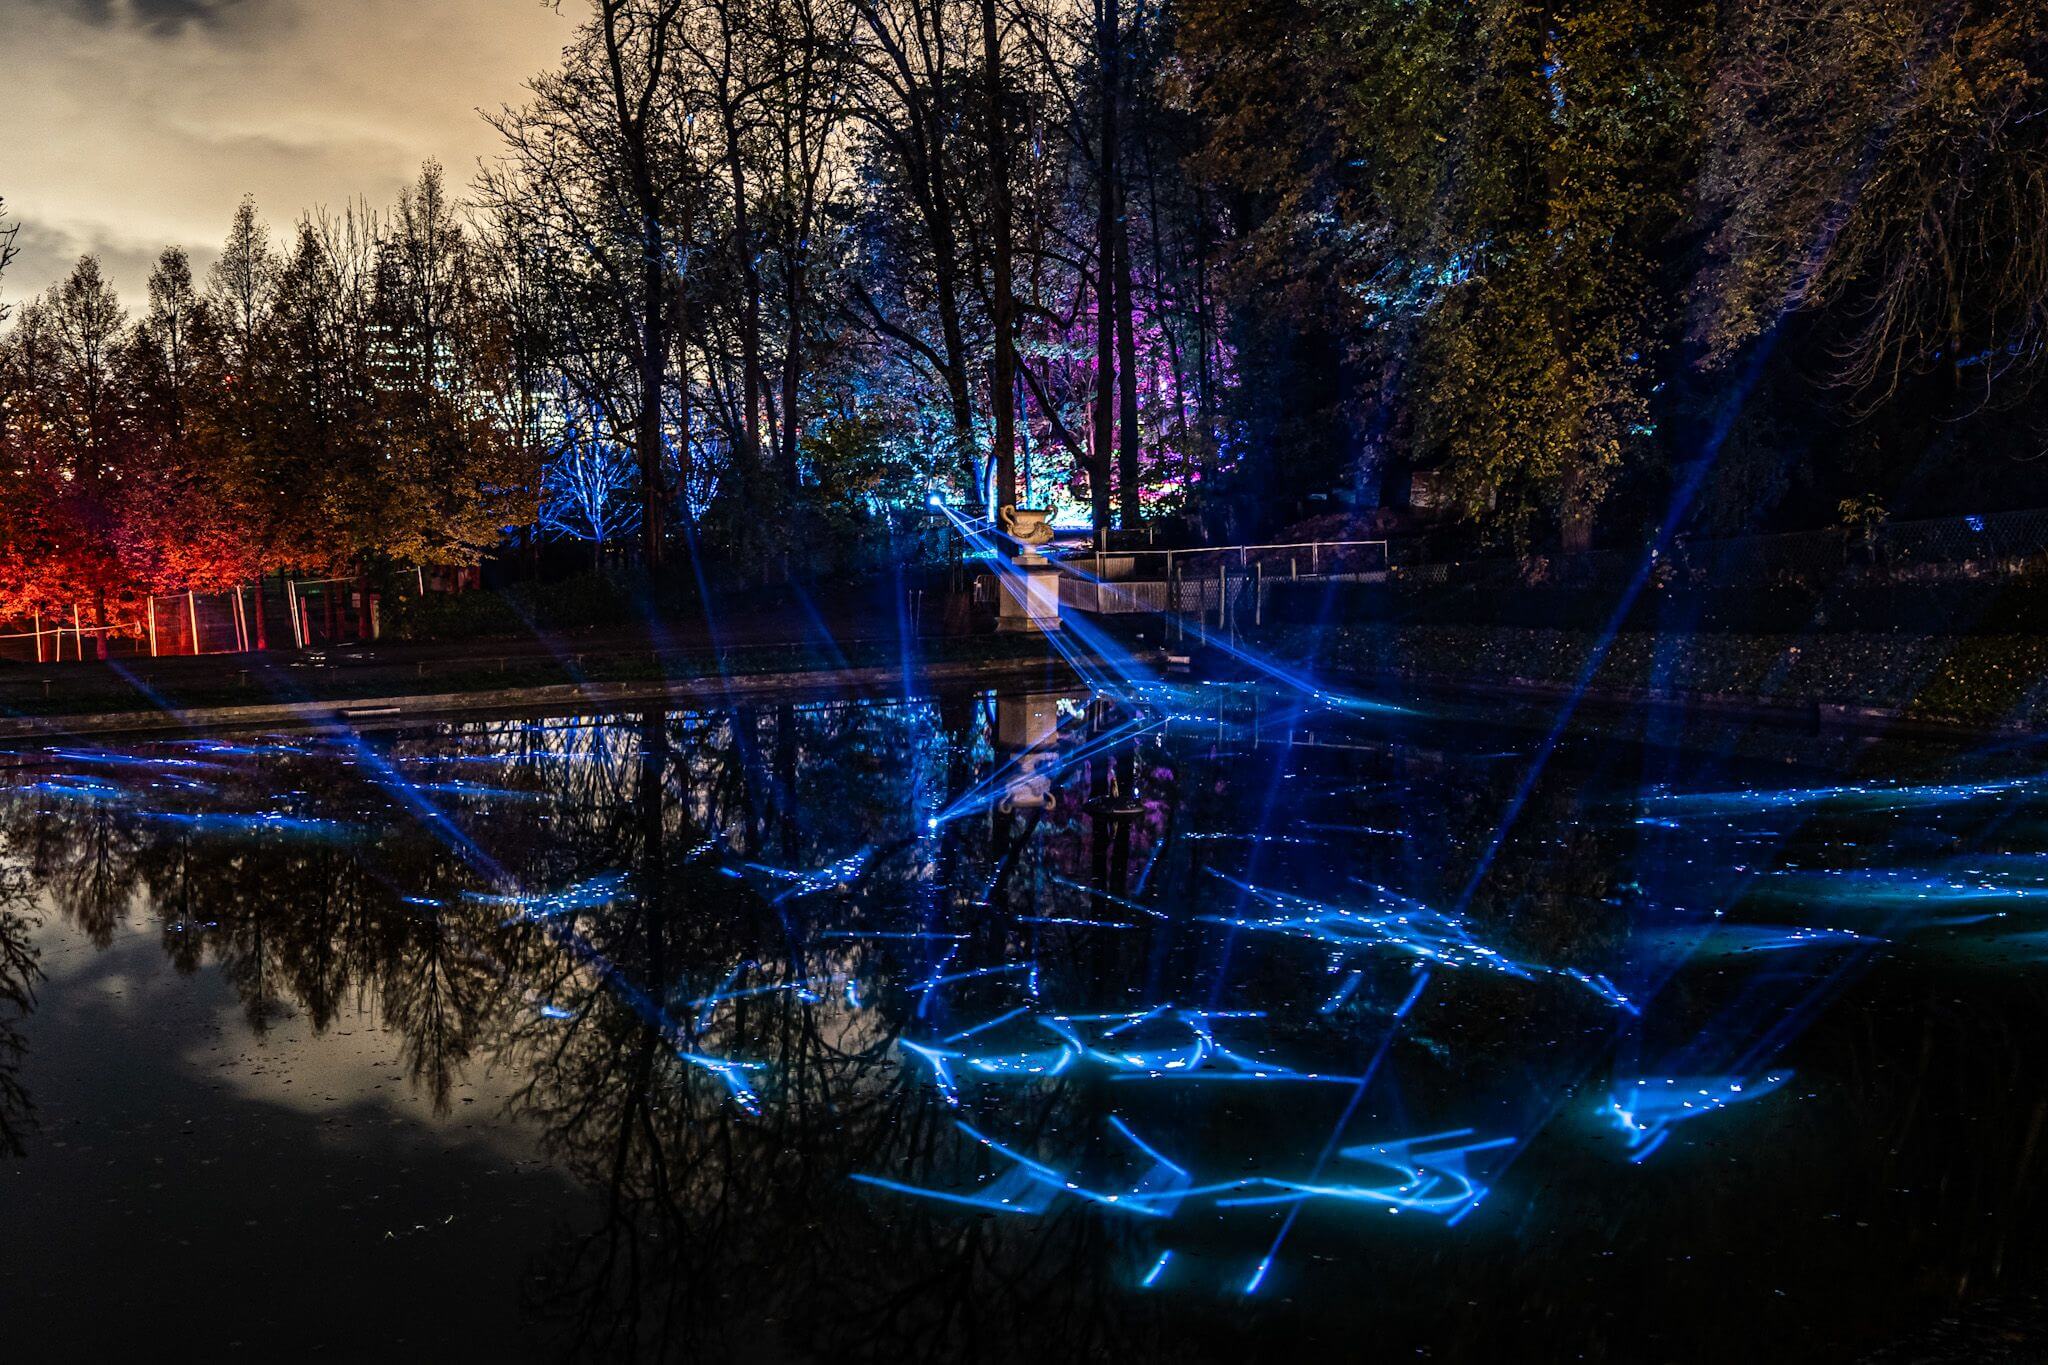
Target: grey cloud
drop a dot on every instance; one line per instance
(163, 18)
(48, 252)
(134, 123)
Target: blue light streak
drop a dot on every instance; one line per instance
(1408, 927)
(912, 935)
(1897, 886)
(733, 1073)
(1877, 796)
(609, 888)
(1121, 902)
(477, 791)
(1603, 988)
(1258, 1278)
(829, 877)
(1649, 1109)
(1158, 1157)
(1344, 991)
(108, 758)
(86, 789)
(1072, 922)
(259, 822)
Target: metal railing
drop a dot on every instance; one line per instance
(1291, 559)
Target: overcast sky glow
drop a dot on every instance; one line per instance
(129, 125)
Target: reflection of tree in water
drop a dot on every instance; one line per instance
(728, 1233)
(719, 1228)
(18, 977)
(80, 859)
(684, 1186)
(724, 1232)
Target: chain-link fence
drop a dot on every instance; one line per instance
(2002, 542)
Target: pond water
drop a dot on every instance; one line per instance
(1183, 1024)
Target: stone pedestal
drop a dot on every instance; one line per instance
(1028, 592)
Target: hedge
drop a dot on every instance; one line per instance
(1986, 680)
(519, 610)
(2009, 606)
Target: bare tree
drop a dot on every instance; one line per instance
(905, 99)
(8, 233)
(808, 46)
(1003, 372)
(597, 176)
(1105, 256)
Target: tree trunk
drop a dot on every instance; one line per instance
(653, 366)
(684, 455)
(751, 378)
(792, 363)
(1003, 381)
(1129, 513)
(1105, 257)
(959, 393)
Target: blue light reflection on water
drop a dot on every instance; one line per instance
(1647, 1110)
(1234, 968)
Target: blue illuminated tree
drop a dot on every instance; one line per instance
(589, 485)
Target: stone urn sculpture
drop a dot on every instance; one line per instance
(1030, 527)
(1030, 586)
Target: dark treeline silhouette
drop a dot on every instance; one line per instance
(751, 276)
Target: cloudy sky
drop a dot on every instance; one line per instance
(127, 125)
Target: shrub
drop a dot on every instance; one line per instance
(1973, 679)
(594, 599)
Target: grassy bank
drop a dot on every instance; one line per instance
(1976, 680)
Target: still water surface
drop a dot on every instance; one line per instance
(1019, 1028)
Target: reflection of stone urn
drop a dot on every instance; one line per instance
(1030, 527)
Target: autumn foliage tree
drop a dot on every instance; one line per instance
(321, 407)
